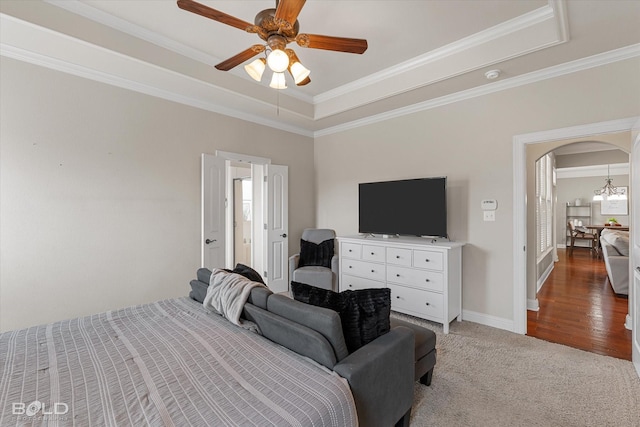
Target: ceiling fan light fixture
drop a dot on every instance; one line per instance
(299, 72)
(278, 60)
(256, 69)
(278, 81)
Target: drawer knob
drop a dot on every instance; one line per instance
(426, 260)
(351, 286)
(398, 296)
(397, 275)
(398, 256)
(428, 304)
(372, 271)
(350, 250)
(351, 266)
(372, 253)
(426, 280)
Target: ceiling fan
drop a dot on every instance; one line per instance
(277, 27)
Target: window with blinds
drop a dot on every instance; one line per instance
(544, 203)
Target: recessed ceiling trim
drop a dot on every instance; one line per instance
(621, 54)
(501, 30)
(90, 12)
(527, 33)
(83, 9)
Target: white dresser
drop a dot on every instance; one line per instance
(425, 278)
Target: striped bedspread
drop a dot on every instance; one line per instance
(169, 363)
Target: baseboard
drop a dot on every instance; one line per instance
(488, 320)
(543, 278)
(532, 304)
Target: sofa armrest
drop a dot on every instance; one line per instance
(618, 271)
(335, 261)
(381, 377)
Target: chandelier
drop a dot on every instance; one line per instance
(609, 191)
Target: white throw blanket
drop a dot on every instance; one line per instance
(227, 293)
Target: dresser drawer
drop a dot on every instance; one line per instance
(421, 279)
(421, 303)
(353, 283)
(364, 269)
(373, 253)
(399, 256)
(351, 250)
(428, 259)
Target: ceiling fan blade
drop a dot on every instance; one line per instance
(216, 15)
(289, 10)
(339, 44)
(240, 58)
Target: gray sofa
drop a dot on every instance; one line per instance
(381, 374)
(615, 251)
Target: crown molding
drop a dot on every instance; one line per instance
(480, 38)
(539, 29)
(28, 45)
(616, 169)
(525, 79)
(90, 12)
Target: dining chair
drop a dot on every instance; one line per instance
(579, 234)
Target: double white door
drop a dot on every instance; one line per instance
(272, 220)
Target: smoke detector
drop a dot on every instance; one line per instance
(492, 74)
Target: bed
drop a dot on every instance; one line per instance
(169, 363)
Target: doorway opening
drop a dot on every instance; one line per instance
(525, 234)
(245, 215)
(242, 218)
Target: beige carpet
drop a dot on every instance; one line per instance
(490, 377)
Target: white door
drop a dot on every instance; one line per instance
(277, 215)
(213, 211)
(634, 226)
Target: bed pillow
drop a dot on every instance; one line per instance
(364, 313)
(316, 254)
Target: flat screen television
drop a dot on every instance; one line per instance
(414, 207)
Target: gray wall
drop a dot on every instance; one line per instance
(100, 192)
(470, 142)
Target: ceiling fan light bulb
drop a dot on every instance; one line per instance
(278, 60)
(299, 72)
(256, 69)
(278, 81)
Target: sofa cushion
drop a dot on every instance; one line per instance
(295, 336)
(618, 239)
(321, 319)
(319, 254)
(364, 313)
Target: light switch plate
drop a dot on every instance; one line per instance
(489, 215)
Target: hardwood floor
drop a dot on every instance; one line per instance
(579, 309)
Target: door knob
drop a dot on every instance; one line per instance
(283, 235)
(210, 241)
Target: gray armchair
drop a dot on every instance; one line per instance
(322, 277)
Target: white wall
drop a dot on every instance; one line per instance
(100, 192)
(470, 142)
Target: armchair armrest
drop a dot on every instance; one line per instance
(381, 376)
(294, 260)
(335, 261)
